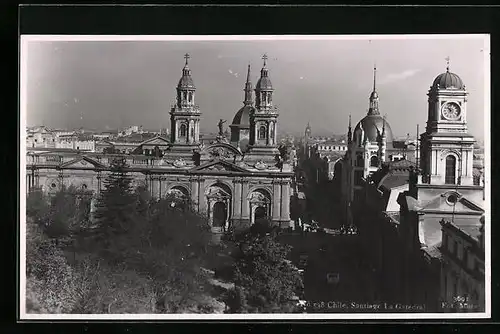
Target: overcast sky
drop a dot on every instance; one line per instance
(113, 84)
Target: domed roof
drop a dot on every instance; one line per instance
(448, 80)
(264, 83)
(186, 82)
(372, 125)
(242, 117)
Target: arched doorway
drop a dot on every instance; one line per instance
(260, 215)
(219, 197)
(260, 205)
(219, 215)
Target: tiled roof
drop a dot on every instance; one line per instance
(470, 229)
(401, 165)
(434, 251)
(394, 180)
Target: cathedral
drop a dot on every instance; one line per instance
(368, 148)
(234, 181)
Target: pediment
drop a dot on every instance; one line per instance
(445, 203)
(156, 141)
(219, 166)
(82, 162)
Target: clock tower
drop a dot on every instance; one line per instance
(446, 146)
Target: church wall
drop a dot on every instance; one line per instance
(196, 186)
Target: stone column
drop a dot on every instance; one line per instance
(237, 199)
(256, 133)
(275, 139)
(202, 199)
(285, 201)
(210, 212)
(244, 201)
(276, 206)
(268, 139)
(155, 186)
(194, 192)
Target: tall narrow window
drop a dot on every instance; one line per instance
(451, 163)
(359, 161)
(190, 97)
(182, 132)
(262, 132)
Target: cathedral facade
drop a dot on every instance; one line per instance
(234, 181)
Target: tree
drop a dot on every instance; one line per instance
(265, 281)
(116, 213)
(50, 283)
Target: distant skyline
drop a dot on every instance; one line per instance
(114, 84)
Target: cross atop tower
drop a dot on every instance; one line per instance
(265, 58)
(186, 56)
(447, 63)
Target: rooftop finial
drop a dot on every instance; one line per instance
(264, 57)
(349, 120)
(447, 63)
(248, 73)
(186, 56)
(374, 76)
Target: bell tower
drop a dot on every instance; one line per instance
(185, 114)
(264, 118)
(446, 156)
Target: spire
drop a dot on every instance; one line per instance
(373, 110)
(248, 89)
(264, 71)
(186, 71)
(447, 64)
(349, 131)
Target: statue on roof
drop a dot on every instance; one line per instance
(221, 126)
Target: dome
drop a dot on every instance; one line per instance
(186, 82)
(242, 117)
(448, 80)
(264, 83)
(372, 125)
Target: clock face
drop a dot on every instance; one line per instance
(451, 111)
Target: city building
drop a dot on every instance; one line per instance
(443, 186)
(232, 188)
(462, 272)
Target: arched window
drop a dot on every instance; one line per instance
(374, 161)
(262, 132)
(190, 96)
(451, 163)
(183, 130)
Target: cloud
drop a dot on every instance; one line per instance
(393, 77)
